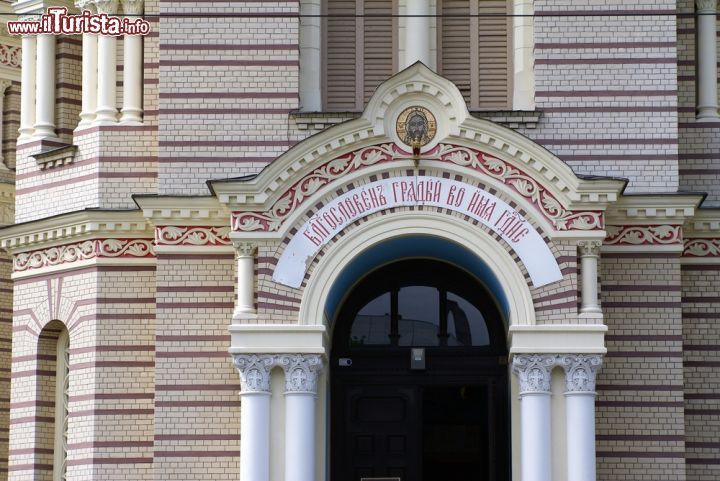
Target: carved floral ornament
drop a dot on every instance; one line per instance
(702, 247)
(79, 251)
(301, 371)
(486, 164)
(192, 235)
(10, 55)
(643, 235)
(534, 371)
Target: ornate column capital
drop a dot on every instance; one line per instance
(580, 371)
(710, 5)
(133, 7)
(4, 84)
(589, 247)
(301, 372)
(108, 7)
(533, 370)
(244, 249)
(86, 5)
(254, 372)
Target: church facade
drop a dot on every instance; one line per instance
(374, 240)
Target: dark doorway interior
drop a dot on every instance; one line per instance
(445, 421)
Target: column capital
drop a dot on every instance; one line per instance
(709, 5)
(301, 372)
(589, 247)
(254, 372)
(86, 5)
(244, 249)
(133, 7)
(580, 372)
(533, 370)
(108, 7)
(4, 85)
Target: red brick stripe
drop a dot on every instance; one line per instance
(606, 93)
(228, 95)
(605, 61)
(219, 160)
(224, 46)
(230, 63)
(92, 461)
(197, 454)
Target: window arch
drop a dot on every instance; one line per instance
(52, 394)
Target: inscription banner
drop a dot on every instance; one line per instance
(409, 191)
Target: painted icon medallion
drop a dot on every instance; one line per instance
(416, 126)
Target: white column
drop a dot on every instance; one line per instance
(245, 257)
(523, 58)
(27, 88)
(417, 32)
(4, 85)
(254, 415)
(310, 46)
(132, 69)
(89, 72)
(589, 255)
(533, 372)
(580, 372)
(301, 374)
(45, 88)
(106, 112)
(707, 78)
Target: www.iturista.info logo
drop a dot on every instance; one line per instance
(57, 21)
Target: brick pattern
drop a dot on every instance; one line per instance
(5, 355)
(639, 409)
(68, 75)
(11, 123)
(701, 356)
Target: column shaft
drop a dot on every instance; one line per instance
(89, 78)
(523, 57)
(132, 80)
(4, 84)
(45, 88)
(107, 79)
(580, 410)
(707, 82)
(535, 437)
(417, 32)
(589, 255)
(310, 56)
(27, 88)
(245, 256)
(299, 436)
(255, 437)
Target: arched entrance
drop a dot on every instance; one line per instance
(418, 377)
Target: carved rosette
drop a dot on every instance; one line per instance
(516, 179)
(10, 56)
(589, 248)
(301, 372)
(533, 371)
(580, 372)
(192, 235)
(90, 249)
(644, 235)
(254, 372)
(702, 247)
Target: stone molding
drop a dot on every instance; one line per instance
(55, 157)
(81, 251)
(192, 235)
(643, 235)
(301, 371)
(709, 247)
(702, 237)
(534, 371)
(518, 181)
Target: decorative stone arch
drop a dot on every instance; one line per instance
(271, 212)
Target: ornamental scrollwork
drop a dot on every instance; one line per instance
(533, 371)
(561, 218)
(580, 372)
(301, 372)
(702, 248)
(10, 55)
(192, 235)
(254, 372)
(90, 249)
(643, 235)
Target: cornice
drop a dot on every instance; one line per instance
(654, 209)
(179, 210)
(65, 228)
(705, 223)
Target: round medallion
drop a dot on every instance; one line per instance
(416, 126)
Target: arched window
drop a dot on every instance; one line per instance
(53, 385)
(421, 304)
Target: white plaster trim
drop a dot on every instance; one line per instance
(393, 225)
(557, 339)
(643, 248)
(278, 339)
(208, 249)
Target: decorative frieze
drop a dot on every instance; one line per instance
(643, 235)
(486, 164)
(192, 235)
(80, 251)
(702, 247)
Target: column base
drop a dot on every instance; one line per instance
(44, 132)
(595, 315)
(707, 114)
(131, 117)
(106, 117)
(241, 315)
